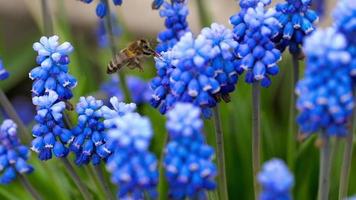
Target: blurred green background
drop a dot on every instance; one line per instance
(88, 65)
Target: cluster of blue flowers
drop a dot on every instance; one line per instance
(325, 93)
(133, 167)
(200, 71)
(13, 155)
(296, 20)
(89, 134)
(51, 89)
(176, 23)
(4, 74)
(254, 28)
(50, 132)
(276, 181)
(345, 22)
(139, 89)
(52, 72)
(190, 170)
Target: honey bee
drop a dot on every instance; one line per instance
(131, 56)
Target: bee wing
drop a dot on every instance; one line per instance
(119, 61)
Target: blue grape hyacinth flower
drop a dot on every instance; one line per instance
(175, 14)
(101, 7)
(276, 181)
(345, 22)
(256, 52)
(50, 133)
(13, 155)
(190, 171)
(133, 167)
(4, 74)
(195, 70)
(325, 98)
(89, 135)
(52, 72)
(296, 20)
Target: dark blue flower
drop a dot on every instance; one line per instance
(101, 7)
(13, 155)
(276, 181)
(296, 20)
(190, 170)
(254, 28)
(133, 167)
(4, 74)
(320, 7)
(89, 137)
(325, 94)
(176, 23)
(50, 133)
(52, 74)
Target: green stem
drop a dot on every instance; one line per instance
(325, 167)
(108, 27)
(292, 133)
(223, 192)
(162, 184)
(256, 134)
(75, 177)
(47, 19)
(346, 164)
(205, 19)
(11, 112)
(27, 185)
(104, 183)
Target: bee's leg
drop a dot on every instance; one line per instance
(138, 64)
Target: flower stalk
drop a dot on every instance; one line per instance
(325, 167)
(256, 134)
(75, 177)
(291, 146)
(30, 189)
(222, 187)
(99, 173)
(347, 156)
(10, 110)
(112, 43)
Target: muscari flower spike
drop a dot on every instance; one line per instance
(13, 155)
(175, 14)
(325, 98)
(101, 7)
(200, 70)
(296, 20)
(50, 133)
(256, 53)
(345, 22)
(52, 72)
(276, 181)
(4, 74)
(133, 167)
(89, 136)
(190, 171)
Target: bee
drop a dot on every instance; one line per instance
(132, 56)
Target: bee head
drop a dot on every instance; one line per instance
(147, 49)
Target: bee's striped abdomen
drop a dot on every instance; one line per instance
(116, 63)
